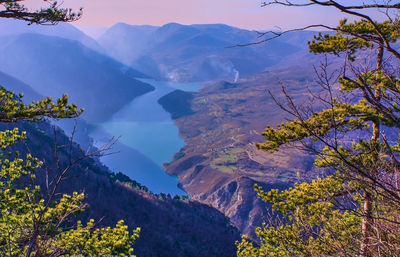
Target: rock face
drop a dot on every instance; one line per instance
(220, 164)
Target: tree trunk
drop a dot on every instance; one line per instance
(366, 225)
(367, 222)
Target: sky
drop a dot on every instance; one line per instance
(246, 14)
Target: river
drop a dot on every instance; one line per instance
(148, 138)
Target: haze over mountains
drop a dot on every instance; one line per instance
(64, 30)
(220, 123)
(19, 87)
(198, 52)
(58, 59)
(53, 66)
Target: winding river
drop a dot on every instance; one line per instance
(148, 138)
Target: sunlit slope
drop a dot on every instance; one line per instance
(220, 163)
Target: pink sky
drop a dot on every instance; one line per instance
(241, 13)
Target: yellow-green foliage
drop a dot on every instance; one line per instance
(32, 226)
(313, 227)
(87, 241)
(12, 109)
(324, 217)
(50, 13)
(343, 117)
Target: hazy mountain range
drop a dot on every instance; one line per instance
(219, 164)
(53, 66)
(197, 52)
(64, 30)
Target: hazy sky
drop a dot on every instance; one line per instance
(241, 13)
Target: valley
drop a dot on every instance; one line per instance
(186, 109)
(169, 227)
(145, 127)
(199, 128)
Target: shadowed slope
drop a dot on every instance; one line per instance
(53, 66)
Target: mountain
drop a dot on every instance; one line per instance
(220, 164)
(92, 31)
(17, 86)
(198, 52)
(220, 124)
(53, 66)
(10, 27)
(178, 103)
(170, 227)
(125, 42)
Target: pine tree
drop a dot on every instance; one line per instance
(353, 210)
(50, 13)
(30, 224)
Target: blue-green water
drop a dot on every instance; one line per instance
(148, 138)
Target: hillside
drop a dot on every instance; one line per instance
(170, 227)
(198, 52)
(220, 124)
(178, 103)
(13, 84)
(10, 27)
(53, 66)
(220, 163)
(125, 42)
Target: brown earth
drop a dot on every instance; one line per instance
(220, 164)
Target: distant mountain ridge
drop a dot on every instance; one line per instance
(53, 66)
(120, 38)
(18, 87)
(10, 27)
(199, 52)
(220, 124)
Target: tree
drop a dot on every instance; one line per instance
(354, 209)
(52, 13)
(32, 224)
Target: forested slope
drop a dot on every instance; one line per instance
(170, 227)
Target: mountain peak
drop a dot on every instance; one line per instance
(64, 30)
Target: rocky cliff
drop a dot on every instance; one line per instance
(220, 164)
